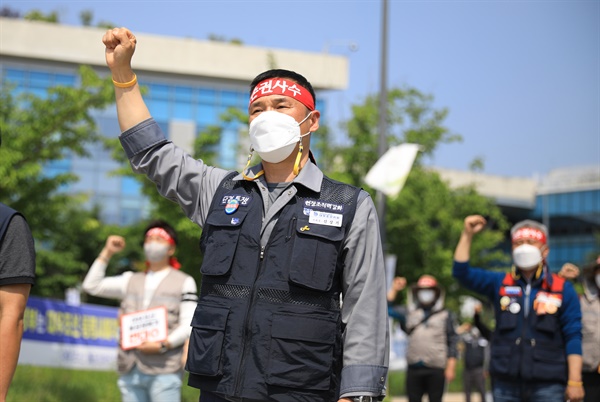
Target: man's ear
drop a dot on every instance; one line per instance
(314, 121)
(545, 251)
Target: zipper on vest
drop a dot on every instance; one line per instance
(526, 303)
(247, 322)
(291, 229)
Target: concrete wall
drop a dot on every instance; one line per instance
(507, 191)
(171, 55)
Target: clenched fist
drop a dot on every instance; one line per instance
(474, 224)
(114, 244)
(120, 45)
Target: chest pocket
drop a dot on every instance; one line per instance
(220, 241)
(507, 321)
(314, 255)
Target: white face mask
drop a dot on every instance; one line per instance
(156, 252)
(598, 280)
(527, 257)
(274, 135)
(426, 296)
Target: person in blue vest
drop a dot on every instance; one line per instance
(536, 345)
(293, 297)
(17, 276)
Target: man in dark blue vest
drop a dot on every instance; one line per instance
(292, 304)
(536, 345)
(17, 275)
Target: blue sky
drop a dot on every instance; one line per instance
(521, 79)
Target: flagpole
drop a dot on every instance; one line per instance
(382, 126)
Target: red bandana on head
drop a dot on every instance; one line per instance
(529, 233)
(160, 232)
(281, 86)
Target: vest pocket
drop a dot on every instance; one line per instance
(206, 340)
(314, 255)
(549, 363)
(506, 321)
(219, 244)
(504, 360)
(301, 352)
(547, 323)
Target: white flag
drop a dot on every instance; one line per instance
(389, 173)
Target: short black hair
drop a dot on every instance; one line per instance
(280, 73)
(159, 223)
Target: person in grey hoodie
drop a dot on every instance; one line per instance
(431, 353)
(590, 320)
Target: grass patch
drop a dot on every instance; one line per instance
(49, 384)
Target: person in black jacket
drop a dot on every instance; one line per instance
(475, 355)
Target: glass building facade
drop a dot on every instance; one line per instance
(193, 106)
(568, 201)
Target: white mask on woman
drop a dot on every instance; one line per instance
(527, 257)
(426, 296)
(273, 135)
(155, 251)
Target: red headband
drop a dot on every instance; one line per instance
(426, 282)
(529, 233)
(160, 232)
(279, 86)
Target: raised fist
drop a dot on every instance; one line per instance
(399, 283)
(114, 244)
(120, 45)
(474, 224)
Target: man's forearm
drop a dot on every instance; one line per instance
(13, 299)
(463, 248)
(131, 109)
(11, 332)
(575, 363)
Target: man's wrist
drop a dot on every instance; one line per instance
(363, 398)
(122, 75)
(164, 347)
(104, 256)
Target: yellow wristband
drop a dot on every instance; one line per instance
(575, 383)
(126, 84)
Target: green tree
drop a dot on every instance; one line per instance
(37, 15)
(86, 17)
(205, 148)
(37, 131)
(424, 221)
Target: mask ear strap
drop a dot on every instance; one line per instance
(256, 176)
(539, 270)
(297, 163)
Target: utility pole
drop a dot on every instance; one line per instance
(382, 126)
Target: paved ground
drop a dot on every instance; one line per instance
(448, 397)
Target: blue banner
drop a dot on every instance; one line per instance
(51, 320)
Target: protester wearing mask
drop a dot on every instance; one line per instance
(151, 371)
(536, 346)
(590, 311)
(431, 351)
(283, 245)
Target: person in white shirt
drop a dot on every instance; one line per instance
(151, 371)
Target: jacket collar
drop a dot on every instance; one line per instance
(310, 176)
